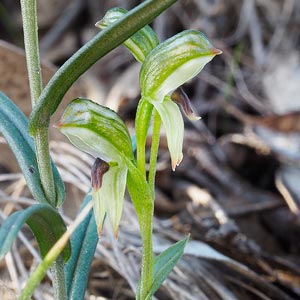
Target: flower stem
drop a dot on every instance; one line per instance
(142, 123)
(142, 198)
(147, 257)
(148, 210)
(154, 150)
(29, 14)
(141, 159)
(58, 273)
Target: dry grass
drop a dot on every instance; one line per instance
(236, 191)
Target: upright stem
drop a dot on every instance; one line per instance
(58, 272)
(29, 15)
(147, 219)
(142, 123)
(147, 257)
(154, 150)
(141, 159)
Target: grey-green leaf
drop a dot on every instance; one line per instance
(84, 242)
(14, 127)
(164, 263)
(45, 223)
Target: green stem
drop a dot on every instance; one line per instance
(90, 53)
(147, 257)
(146, 231)
(58, 273)
(38, 275)
(142, 123)
(148, 204)
(29, 15)
(154, 150)
(142, 199)
(141, 159)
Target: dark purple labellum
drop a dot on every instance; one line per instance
(182, 99)
(99, 168)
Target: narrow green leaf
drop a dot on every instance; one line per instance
(14, 127)
(84, 242)
(164, 263)
(45, 223)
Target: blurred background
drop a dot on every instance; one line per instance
(237, 189)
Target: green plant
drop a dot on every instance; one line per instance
(100, 132)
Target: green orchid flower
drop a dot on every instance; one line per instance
(140, 43)
(168, 66)
(99, 131)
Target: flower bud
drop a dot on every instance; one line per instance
(140, 43)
